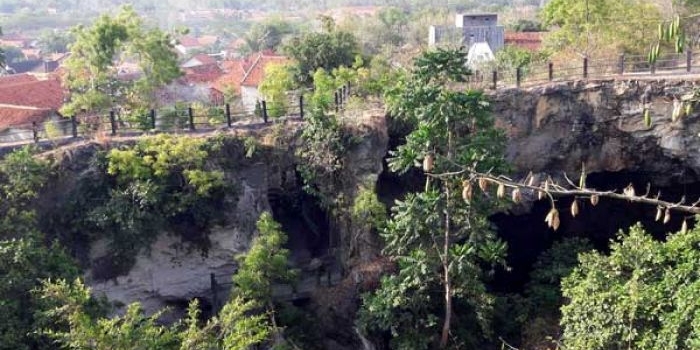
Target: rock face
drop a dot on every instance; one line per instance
(556, 128)
(170, 274)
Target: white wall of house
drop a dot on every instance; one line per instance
(250, 95)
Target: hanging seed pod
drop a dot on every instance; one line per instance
(659, 213)
(551, 217)
(594, 199)
(483, 184)
(555, 223)
(501, 191)
(647, 118)
(540, 195)
(467, 191)
(629, 191)
(574, 208)
(428, 163)
(667, 216)
(684, 226)
(516, 195)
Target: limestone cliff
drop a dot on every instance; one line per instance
(555, 128)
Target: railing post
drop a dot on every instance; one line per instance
(264, 111)
(652, 68)
(550, 71)
(518, 77)
(688, 60)
(35, 132)
(153, 118)
(301, 106)
(112, 123)
(228, 114)
(340, 97)
(585, 67)
(74, 126)
(214, 293)
(336, 101)
(494, 79)
(621, 64)
(190, 113)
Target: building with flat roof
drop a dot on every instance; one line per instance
(470, 29)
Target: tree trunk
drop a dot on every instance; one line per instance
(446, 251)
(448, 309)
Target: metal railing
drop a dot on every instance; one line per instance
(621, 67)
(197, 117)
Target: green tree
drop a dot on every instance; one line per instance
(92, 68)
(277, 83)
(25, 258)
(265, 264)
(596, 26)
(439, 237)
(328, 49)
(12, 54)
(643, 295)
(54, 41)
(267, 35)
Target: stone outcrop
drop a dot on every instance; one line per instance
(555, 128)
(171, 272)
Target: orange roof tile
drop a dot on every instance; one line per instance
(38, 94)
(233, 76)
(526, 40)
(202, 74)
(188, 41)
(256, 73)
(21, 116)
(16, 79)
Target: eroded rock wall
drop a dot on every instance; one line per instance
(555, 128)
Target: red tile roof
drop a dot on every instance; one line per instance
(188, 41)
(256, 73)
(233, 76)
(39, 94)
(21, 116)
(526, 40)
(205, 59)
(202, 74)
(16, 79)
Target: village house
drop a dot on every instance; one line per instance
(243, 78)
(27, 103)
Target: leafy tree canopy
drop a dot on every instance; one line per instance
(600, 26)
(643, 295)
(92, 70)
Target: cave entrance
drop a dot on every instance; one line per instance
(304, 221)
(528, 235)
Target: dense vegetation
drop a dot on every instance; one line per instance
(637, 292)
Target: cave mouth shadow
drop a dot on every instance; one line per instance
(528, 236)
(304, 221)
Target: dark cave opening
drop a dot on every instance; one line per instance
(528, 235)
(304, 221)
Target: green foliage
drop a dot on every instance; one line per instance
(12, 54)
(91, 68)
(599, 26)
(240, 327)
(265, 263)
(327, 50)
(325, 142)
(161, 183)
(267, 35)
(440, 240)
(277, 83)
(368, 209)
(52, 41)
(24, 262)
(643, 295)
